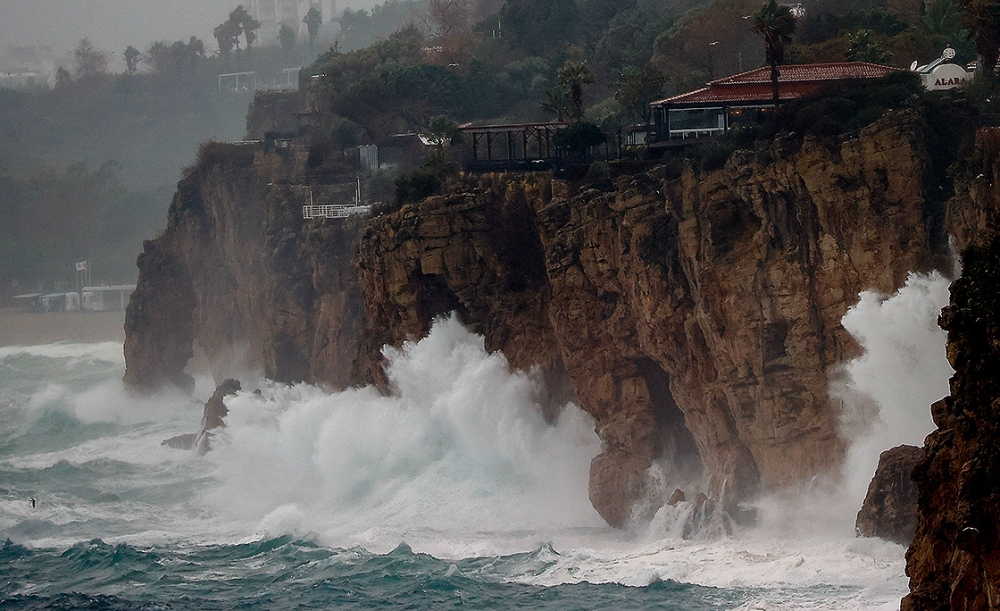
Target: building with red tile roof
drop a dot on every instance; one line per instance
(726, 102)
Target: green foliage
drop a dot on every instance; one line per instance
(636, 88)
(579, 137)
(360, 29)
(313, 21)
(865, 46)
(842, 109)
(571, 78)
(424, 181)
(539, 27)
(52, 219)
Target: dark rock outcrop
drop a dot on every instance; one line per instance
(215, 412)
(213, 418)
(954, 560)
(239, 273)
(890, 508)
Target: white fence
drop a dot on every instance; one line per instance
(335, 211)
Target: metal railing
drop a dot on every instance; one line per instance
(333, 211)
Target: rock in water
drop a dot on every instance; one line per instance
(890, 508)
(215, 411)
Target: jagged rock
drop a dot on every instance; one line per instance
(215, 412)
(239, 273)
(954, 560)
(181, 442)
(213, 418)
(890, 508)
(676, 497)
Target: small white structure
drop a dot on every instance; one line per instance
(942, 74)
(105, 298)
(333, 211)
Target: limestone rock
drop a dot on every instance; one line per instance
(890, 508)
(697, 316)
(241, 275)
(954, 560)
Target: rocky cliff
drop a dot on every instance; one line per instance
(954, 560)
(697, 317)
(695, 313)
(241, 275)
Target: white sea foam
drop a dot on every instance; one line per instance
(104, 351)
(459, 463)
(459, 460)
(903, 370)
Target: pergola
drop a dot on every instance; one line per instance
(516, 142)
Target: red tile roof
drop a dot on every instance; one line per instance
(794, 81)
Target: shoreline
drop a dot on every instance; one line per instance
(18, 328)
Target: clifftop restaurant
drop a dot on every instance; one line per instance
(725, 103)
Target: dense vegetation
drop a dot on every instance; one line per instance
(413, 65)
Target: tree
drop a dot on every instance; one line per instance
(313, 21)
(636, 88)
(557, 102)
(865, 47)
(775, 24)
(227, 34)
(132, 56)
(442, 130)
(442, 18)
(982, 19)
(247, 23)
(572, 77)
(286, 36)
(942, 18)
(90, 61)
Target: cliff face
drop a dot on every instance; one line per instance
(696, 315)
(240, 274)
(954, 560)
(697, 318)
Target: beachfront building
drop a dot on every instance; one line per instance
(727, 102)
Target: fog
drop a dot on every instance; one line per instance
(112, 25)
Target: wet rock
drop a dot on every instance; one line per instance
(215, 412)
(954, 559)
(890, 508)
(181, 442)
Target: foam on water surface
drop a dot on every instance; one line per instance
(457, 463)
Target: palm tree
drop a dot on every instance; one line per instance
(572, 77)
(866, 47)
(313, 21)
(556, 102)
(775, 23)
(982, 19)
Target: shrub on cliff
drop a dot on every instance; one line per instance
(424, 181)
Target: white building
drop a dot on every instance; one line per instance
(942, 74)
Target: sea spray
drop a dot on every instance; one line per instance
(127, 523)
(884, 395)
(903, 370)
(459, 456)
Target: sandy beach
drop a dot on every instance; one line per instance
(30, 328)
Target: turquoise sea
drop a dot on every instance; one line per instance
(452, 493)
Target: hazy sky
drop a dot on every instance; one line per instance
(114, 24)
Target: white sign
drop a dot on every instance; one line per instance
(946, 76)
